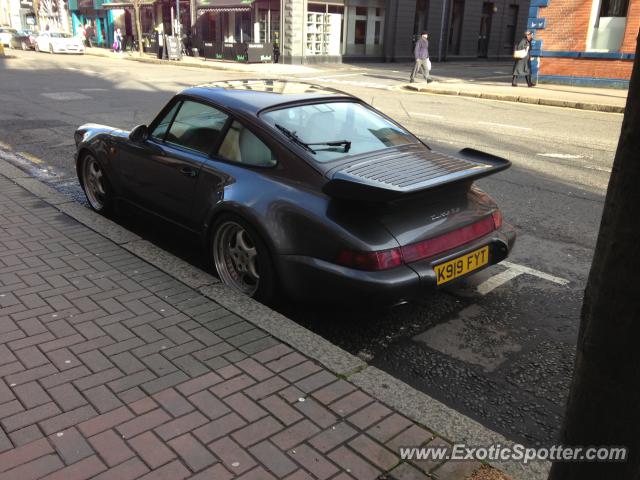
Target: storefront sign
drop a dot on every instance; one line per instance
(26, 4)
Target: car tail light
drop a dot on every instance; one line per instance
(442, 243)
(497, 219)
(380, 260)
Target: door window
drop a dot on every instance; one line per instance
(162, 127)
(196, 126)
(242, 146)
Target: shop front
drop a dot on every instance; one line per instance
(97, 21)
(238, 30)
(27, 15)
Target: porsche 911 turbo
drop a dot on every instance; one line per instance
(302, 191)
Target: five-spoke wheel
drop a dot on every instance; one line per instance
(241, 259)
(95, 184)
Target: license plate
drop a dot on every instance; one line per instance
(445, 272)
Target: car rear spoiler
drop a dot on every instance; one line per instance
(388, 176)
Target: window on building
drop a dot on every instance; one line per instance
(421, 18)
(608, 23)
(510, 28)
(376, 33)
(614, 8)
(361, 11)
(361, 32)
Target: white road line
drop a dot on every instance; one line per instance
(420, 114)
(559, 155)
(337, 75)
(536, 273)
(502, 125)
(497, 280)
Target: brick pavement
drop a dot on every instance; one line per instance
(112, 369)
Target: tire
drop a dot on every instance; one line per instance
(24, 46)
(51, 49)
(242, 259)
(36, 48)
(96, 185)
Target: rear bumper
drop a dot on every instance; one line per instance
(311, 279)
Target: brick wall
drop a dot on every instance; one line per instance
(587, 67)
(633, 24)
(567, 25)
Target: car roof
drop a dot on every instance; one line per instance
(252, 96)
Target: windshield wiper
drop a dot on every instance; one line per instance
(346, 144)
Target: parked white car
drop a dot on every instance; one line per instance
(57, 42)
(5, 35)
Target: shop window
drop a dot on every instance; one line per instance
(608, 23)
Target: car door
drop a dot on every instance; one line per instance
(162, 172)
(43, 42)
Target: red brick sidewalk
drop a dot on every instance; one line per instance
(110, 368)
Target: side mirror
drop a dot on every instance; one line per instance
(139, 134)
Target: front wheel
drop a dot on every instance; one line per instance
(51, 49)
(96, 185)
(242, 260)
(24, 46)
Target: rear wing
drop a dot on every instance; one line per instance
(388, 176)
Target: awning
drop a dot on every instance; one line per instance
(224, 5)
(120, 5)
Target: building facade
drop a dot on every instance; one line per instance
(585, 42)
(458, 29)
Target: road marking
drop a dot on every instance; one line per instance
(535, 273)
(332, 76)
(515, 270)
(502, 125)
(31, 158)
(419, 114)
(559, 155)
(64, 96)
(498, 280)
(94, 89)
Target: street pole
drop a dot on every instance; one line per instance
(444, 9)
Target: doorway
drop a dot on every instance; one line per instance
(455, 29)
(485, 29)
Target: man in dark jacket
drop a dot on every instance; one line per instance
(522, 66)
(421, 54)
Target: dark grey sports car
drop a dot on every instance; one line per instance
(302, 190)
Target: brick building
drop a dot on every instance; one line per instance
(585, 42)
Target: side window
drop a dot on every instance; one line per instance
(242, 146)
(161, 129)
(196, 127)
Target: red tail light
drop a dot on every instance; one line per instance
(386, 259)
(381, 260)
(497, 218)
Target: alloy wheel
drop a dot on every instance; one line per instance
(236, 257)
(93, 180)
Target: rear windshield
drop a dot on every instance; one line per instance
(363, 129)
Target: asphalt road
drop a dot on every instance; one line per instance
(498, 347)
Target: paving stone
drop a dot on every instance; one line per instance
(273, 459)
(354, 464)
(192, 452)
(151, 450)
(313, 461)
(234, 457)
(71, 446)
(111, 447)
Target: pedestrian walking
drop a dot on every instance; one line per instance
(522, 63)
(421, 54)
(117, 41)
(90, 33)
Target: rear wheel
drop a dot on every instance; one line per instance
(96, 185)
(50, 48)
(242, 260)
(24, 45)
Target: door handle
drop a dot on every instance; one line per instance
(188, 171)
